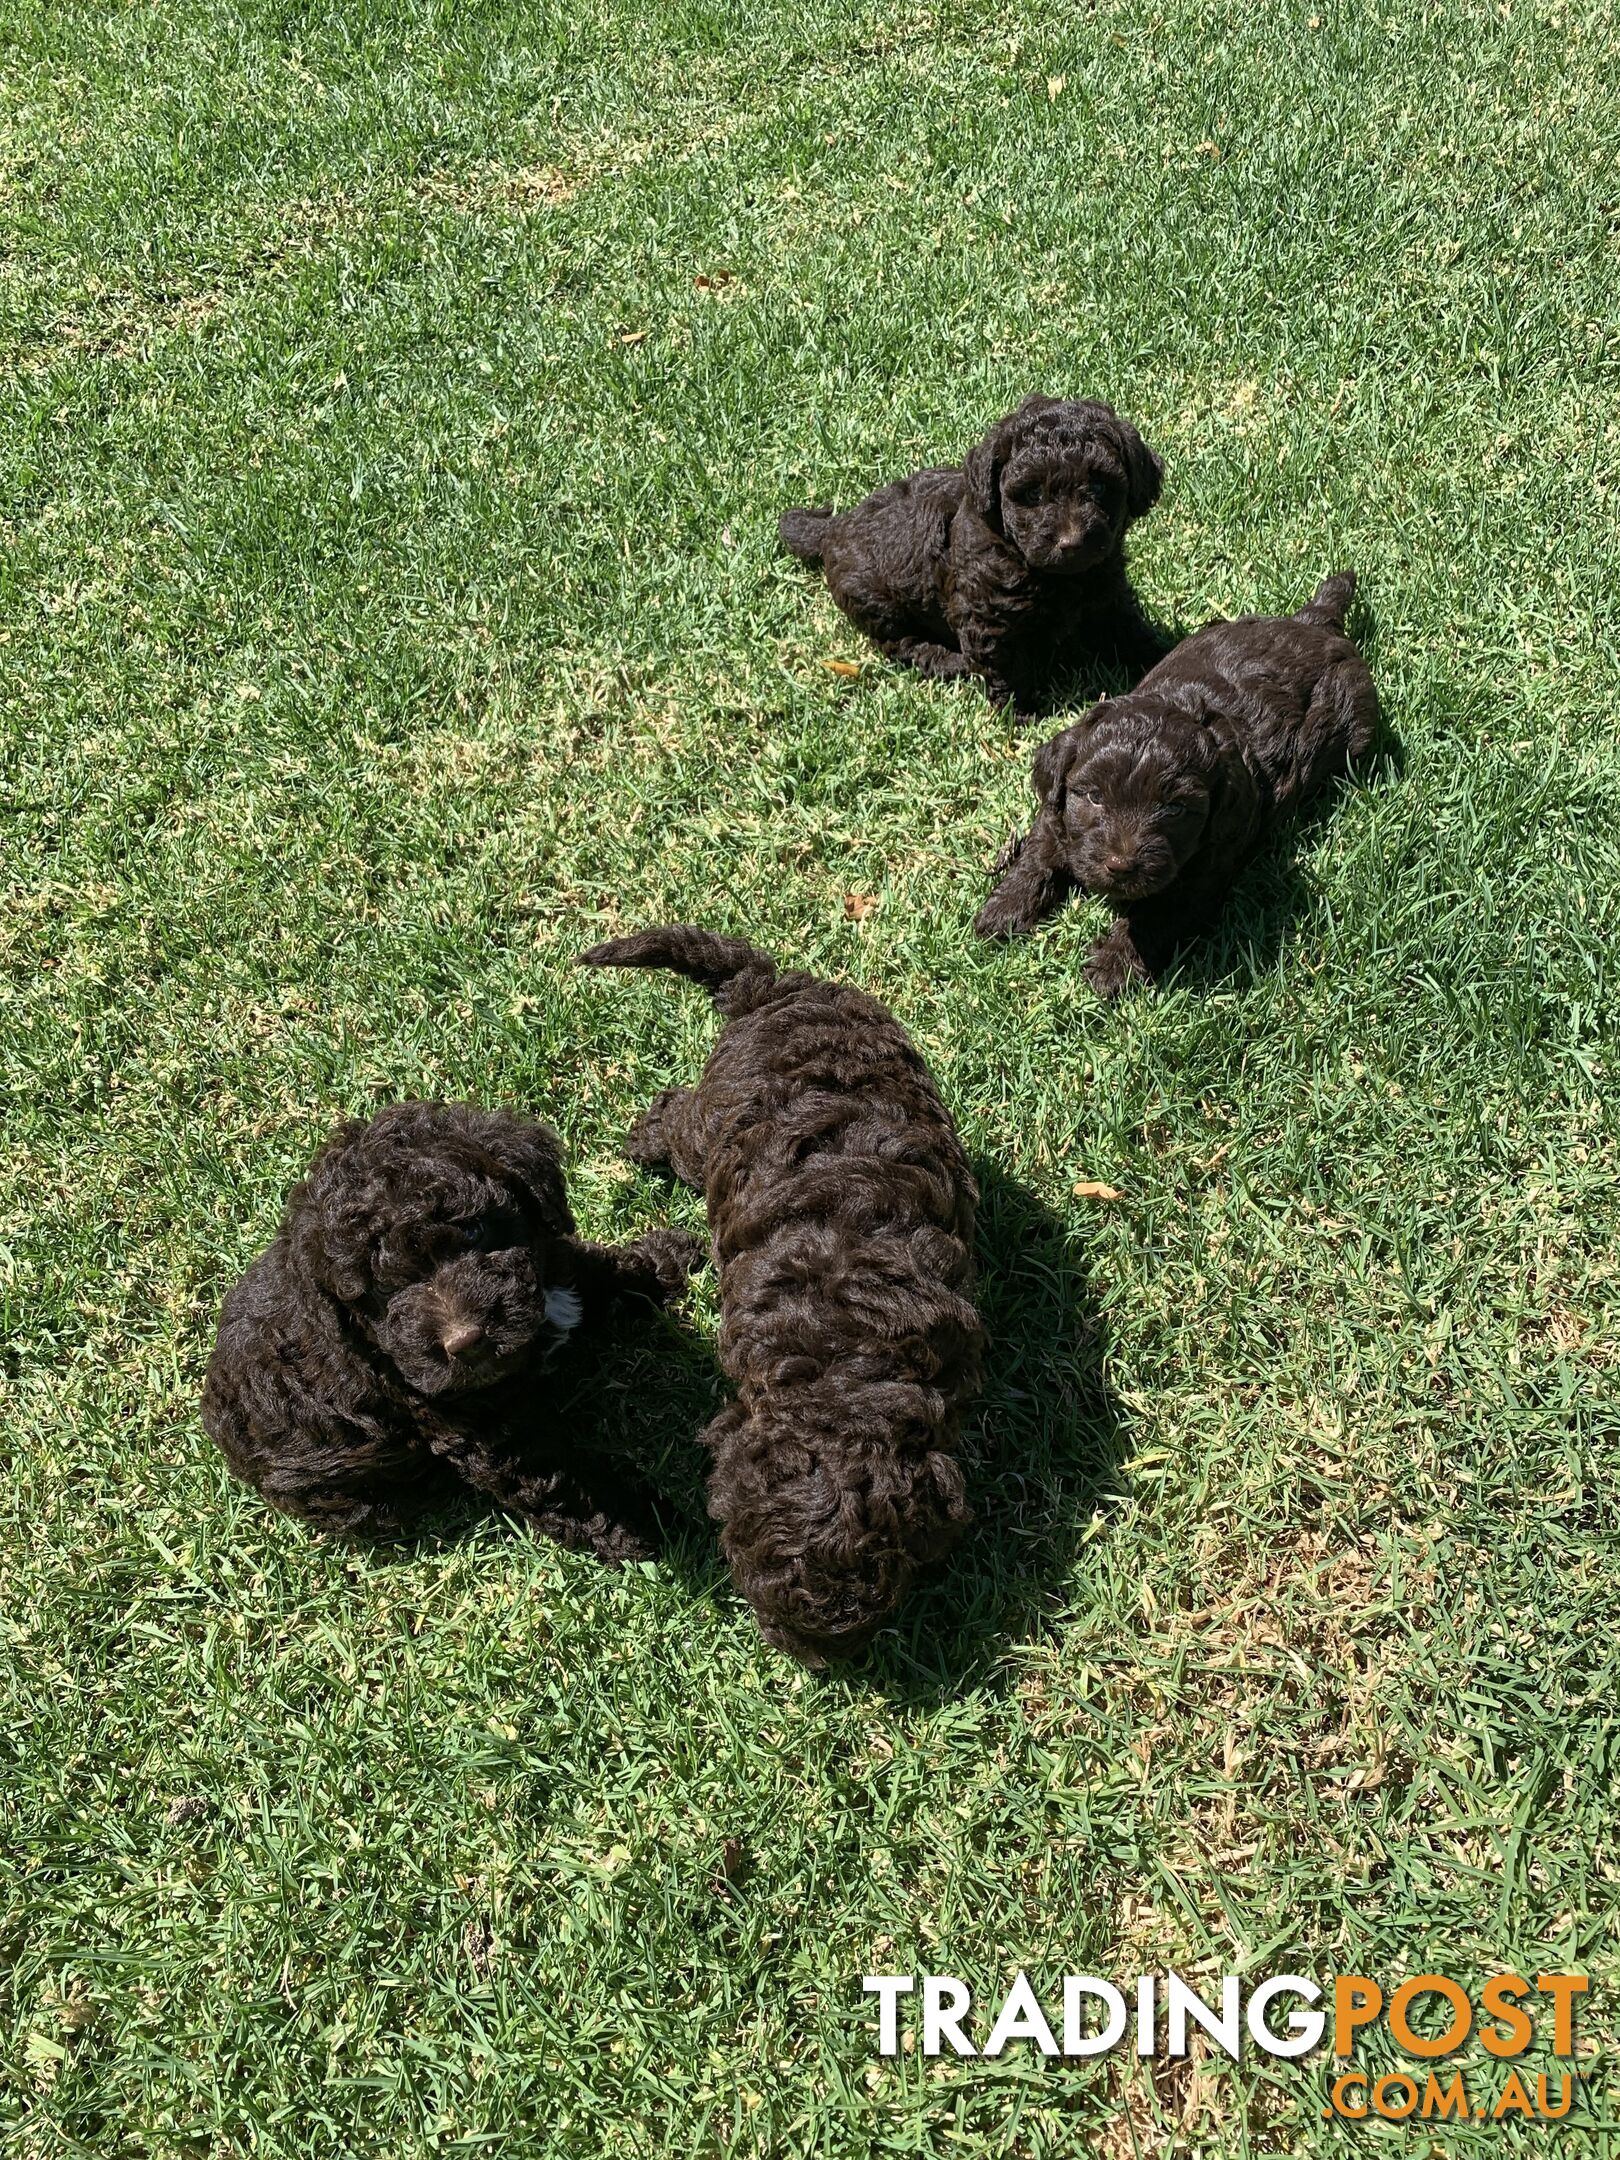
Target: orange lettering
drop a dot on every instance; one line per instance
(1444, 2100)
(1554, 2114)
(1416, 2043)
(1385, 2106)
(1514, 2096)
(1341, 2090)
(1356, 2002)
(1498, 2002)
(1563, 1988)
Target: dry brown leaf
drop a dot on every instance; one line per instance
(858, 905)
(631, 337)
(847, 668)
(736, 1862)
(1091, 1189)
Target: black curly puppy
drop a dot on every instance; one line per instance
(425, 1270)
(841, 1209)
(1156, 800)
(1010, 566)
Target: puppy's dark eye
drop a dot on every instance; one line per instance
(500, 1231)
(1093, 796)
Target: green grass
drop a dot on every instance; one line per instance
(388, 608)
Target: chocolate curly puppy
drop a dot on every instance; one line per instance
(425, 1270)
(841, 1208)
(1156, 800)
(1010, 566)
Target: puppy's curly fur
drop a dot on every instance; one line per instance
(399, 1327)
(1156, 800)
(1010, 566)
(841, 1209)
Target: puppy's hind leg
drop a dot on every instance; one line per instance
(1036, 882)
(1340, 726)
(1357, 701)
(589, 1507)
(656, 1266)
(668, 1135)
(339, 1511)
(942, 663)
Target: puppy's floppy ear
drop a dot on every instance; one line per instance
(981, 473)
(1144, 470)
(1053, 760)
(326, 1224)
(982, 466)
(530, 1154)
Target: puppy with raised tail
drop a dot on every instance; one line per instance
(1009, 566)
(841, 1209)
(1155, 801)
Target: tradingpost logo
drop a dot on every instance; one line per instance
(1428, 2018)
(1506, 2027)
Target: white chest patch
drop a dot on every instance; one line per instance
(564, 1310)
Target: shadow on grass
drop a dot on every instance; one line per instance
(1094, 676)
(1041, 1450)
(1042, 1453)
(1274, 893)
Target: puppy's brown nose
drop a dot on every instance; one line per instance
(1118, 865)
(460, 1337)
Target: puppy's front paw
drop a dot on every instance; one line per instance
(647, 1141)
(1029, 890)
(619, 1544)
(675, 1257)
(1000, 917)
(1011, 848)
(1114, 965)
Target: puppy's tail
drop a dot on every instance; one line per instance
(737, 975)
(1333, 597)
(804, 533)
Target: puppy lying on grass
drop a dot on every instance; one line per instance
(1156, 800)
(1010, 566)
(425, 1272)
(841, 1209)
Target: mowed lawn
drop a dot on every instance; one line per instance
(397, 406)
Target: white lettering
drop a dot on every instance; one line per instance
(1076, 2040)
(888, 1988)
